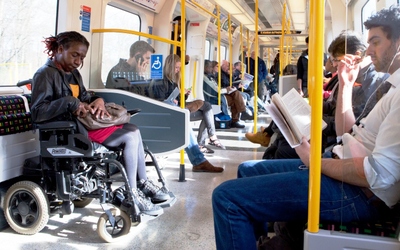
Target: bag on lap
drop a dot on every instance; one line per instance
(118, 115)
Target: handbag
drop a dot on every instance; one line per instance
(118, 115)
(195, 105)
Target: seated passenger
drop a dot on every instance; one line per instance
(160, 90)
(369, 79)
(210, 87)
(58, 94)
(132, 69)
(238, 76)
(370, 181)
(233, 97)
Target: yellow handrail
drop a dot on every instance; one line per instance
(132, 32)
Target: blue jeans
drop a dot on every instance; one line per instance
(277, 190)
(193, 151)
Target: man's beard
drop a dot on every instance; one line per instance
(387, 59)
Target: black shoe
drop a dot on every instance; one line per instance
(206, 150)
(237, 125)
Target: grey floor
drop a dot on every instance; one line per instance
(188, 224)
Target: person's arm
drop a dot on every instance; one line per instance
(347, 73)
(300, 71)
(347, 170)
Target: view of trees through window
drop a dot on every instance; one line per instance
(24, 24)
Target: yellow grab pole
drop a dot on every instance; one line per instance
(281, 52)
(315, 77)
(241, 48)
(194, 78)
(255, 79)
(182, 55)
(176, 36)
(248, 50)
(219, 54)
(230, 49)
(287, 42)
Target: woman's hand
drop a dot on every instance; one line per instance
(303, 151)
(82, 110)
(98, 109)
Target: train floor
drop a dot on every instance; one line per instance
(188, 224)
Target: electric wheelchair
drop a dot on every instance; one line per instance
(70, 172)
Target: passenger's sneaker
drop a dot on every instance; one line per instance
(145, 205)
(153, 191)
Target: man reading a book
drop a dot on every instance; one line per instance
(277, 190)
(368, 81)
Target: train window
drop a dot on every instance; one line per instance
(207, 50)
(367, 10)
(116, 45)
(222, 52)
(20, 39)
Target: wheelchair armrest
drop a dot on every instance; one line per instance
(56, 125)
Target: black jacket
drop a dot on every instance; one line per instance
(302, 68)
(52, 98)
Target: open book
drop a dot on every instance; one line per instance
(292, 115)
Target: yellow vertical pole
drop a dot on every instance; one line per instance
(287, 43)
(315, 77)
(281, 52)
(219, 53)
(194, 78)
(241, 44)
(248, 50)
(176, 35)
(182, 55)
(230, 49)
(255, 65)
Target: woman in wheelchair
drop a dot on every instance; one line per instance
(58, 94)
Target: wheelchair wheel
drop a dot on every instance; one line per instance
(121, 227)
(26, 207)
(82, 202)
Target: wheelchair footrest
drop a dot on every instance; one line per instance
(168, 203)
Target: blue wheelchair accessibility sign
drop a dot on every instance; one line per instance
(156, 69)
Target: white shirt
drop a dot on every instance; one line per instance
(379, 133)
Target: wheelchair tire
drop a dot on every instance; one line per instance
(83, 202)
(26, 207)
(121, 227)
